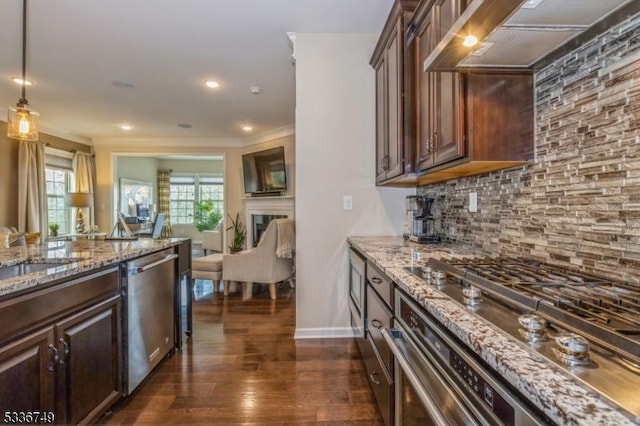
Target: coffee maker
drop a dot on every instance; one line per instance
(419, 222)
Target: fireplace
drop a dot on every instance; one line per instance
(260, 211)
(259, 224)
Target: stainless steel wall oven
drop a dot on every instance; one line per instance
(438, 382)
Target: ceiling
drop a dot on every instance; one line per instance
(97, 64)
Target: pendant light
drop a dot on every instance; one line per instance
(22, 121)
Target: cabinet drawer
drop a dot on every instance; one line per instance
(379, 317)
(380, 283)
(381, 384)
(28, 311)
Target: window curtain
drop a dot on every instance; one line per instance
(84, 176)
(164, 190)
(32, 196)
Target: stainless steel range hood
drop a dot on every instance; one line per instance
(517, 34)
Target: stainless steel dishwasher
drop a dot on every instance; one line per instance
(149, 314)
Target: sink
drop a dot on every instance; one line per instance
(25, 268)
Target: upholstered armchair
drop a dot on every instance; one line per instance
(270, 262)
(212, 240)
(10, 237)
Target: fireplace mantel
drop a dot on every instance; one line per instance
(283, 206)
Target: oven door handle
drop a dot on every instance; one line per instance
(433, 409)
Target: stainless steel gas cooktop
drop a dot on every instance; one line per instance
(588, 326)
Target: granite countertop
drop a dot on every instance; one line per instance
(558, 395)
(73, 257)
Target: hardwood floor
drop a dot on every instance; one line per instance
(242, 366)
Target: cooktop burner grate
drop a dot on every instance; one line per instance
(605, 311)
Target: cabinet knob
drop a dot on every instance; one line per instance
(429, 144)
(55, 359)
(65, 351)
(373, 376)
(385, 163)
(376, 323)
(376, 280)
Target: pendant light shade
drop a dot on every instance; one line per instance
(22, 121)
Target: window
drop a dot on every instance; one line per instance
(212, 188)
(186, 190)
(182, 199)
(58, 175)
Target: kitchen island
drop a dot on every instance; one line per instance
(561, 398)
(85, 323)
(69, 258)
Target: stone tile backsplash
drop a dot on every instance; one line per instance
(578, 204)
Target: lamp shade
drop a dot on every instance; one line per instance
(79, 199)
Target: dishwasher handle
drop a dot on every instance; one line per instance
(400, 357)
(133, 270)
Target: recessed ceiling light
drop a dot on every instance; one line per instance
(123, 84)
(247, 128)
(212, 84)
(256, 90)
(126, 127)
(470, 40)
(18, 80)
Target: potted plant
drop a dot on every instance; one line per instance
(239, 234)
(206, 217)
(53, 229)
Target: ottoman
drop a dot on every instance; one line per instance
(209, 268)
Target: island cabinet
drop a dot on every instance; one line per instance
(60, 350)
(395, 113)
(466, 123)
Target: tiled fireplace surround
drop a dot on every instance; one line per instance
(579, 202)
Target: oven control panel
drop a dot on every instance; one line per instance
(465, 374)
(482, 389)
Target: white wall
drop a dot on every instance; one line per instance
(108, 151)
(137, 168)
(335, 156)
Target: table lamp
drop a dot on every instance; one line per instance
(80, 200)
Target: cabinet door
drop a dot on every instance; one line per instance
(395, 139)
(449, 122)
(90, 374)
(447, 95)
(381, 122)
(424, 87)
(27, 374)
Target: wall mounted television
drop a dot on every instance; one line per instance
(264, 172)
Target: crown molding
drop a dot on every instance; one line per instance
(54, 131)
(280, 132)
(170, 142)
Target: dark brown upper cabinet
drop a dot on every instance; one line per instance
(440, 124)
(466, 123)
(393, 63)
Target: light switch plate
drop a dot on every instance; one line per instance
(347, 202)
(473, 202)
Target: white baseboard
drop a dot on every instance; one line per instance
(323, 333)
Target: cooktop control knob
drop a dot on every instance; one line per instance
(426, 272)
(572, 348)
(472, 296)
(533, 327)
